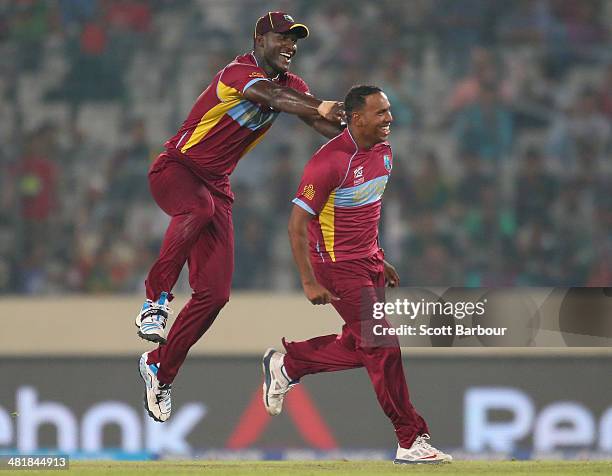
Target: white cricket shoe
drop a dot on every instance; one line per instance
(157, 397)
(421, 452)
(276, 381)
(152, 318)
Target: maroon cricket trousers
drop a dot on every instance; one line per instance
(200, 233)
(359, 283)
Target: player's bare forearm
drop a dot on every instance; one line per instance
(392, 279)
(291, 101)
(323, 126)
(298, 237)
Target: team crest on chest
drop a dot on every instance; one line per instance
(387, 160)
(358, 175)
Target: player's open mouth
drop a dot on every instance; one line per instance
(386, 129)
(286, 57)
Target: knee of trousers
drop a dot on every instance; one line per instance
(212, 300)
(384, 353)
(205, 210)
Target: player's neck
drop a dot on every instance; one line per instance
(362, 142)
(263, 64)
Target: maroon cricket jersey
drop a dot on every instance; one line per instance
(223, 125)
(343, 186)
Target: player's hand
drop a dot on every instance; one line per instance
(333, 111)
(317, 294)
(391, 277)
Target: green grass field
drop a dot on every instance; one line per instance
(315, 468)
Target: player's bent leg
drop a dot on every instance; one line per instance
(193, 321)
(330, 353)
(152, 319)
(211, 264)
(276, 381)
(186, 198)
(421, 452)
(157, 397)
(183, 232)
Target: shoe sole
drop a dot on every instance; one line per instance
(152, 338)
(143, 375)
(265, 366)
(405, 461)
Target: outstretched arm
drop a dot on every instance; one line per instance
(323, 126)
(294, 102)
(298, 236)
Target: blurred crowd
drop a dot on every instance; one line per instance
(502, 136)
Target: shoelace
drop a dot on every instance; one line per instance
(164, 393)
(283, 391)
(424, 443)
(163, 307)
(156, 305)
(159, 317)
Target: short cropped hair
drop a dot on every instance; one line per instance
(356, 98)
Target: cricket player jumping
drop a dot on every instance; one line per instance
(190, 182)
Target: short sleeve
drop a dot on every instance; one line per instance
(318, 181)
(237, 78)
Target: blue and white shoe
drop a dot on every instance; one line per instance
(152, 318)
(157, 397)
(421, 452)
(276, 381)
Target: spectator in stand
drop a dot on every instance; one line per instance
(485, 127)
(484, 74)
(472, 180)
(36, 177)
(536, 189)
(604, 93)
(28, 26)
(430, 189)
(282, 176)
(128, 169)
(461, 26)
(583, 26)
(583, 123)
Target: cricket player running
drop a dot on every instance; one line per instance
(190, 182)
(333, 231)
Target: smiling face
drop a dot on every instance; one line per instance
(374, 119)
(277, 50)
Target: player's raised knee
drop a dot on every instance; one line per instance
(206, 210)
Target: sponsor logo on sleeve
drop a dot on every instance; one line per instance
(257, 74)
